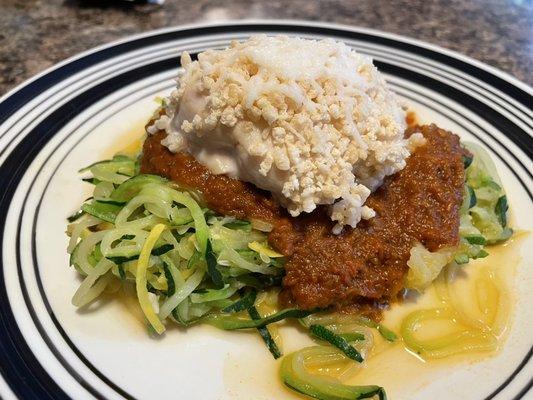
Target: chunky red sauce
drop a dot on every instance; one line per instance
(362, 266)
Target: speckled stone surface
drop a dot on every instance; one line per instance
(35, 34)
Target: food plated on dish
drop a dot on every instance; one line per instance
(282, 180)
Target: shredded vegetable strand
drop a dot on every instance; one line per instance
(140, 280)
(471, 332)
(84, 249)
(79, 226)
(182, 293)
(80, 299)
(97, 289)
(295, 374)
(202, 232)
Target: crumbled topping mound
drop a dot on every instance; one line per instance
(311, 121)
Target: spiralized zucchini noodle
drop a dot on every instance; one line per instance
(469, 330)
(190, 265)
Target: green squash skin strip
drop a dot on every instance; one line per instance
(472, 197)
(233, 323)
(265, 334)
(157, 251)
(324, 389)
(352, 336)
(175, 274)
(501, 210)
(130, 188)
(476, 239)
(336, 340)
(121, 272)
(212, 270)
(92, 181)
(75, 216)
(104, 211)
(171, 286)
(243, 303)
(239, 224)
(214, 294)
(467, 161)
(385, 332)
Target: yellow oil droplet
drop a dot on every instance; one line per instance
(129, 143)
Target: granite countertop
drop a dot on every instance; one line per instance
(35, 34)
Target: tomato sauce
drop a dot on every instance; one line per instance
(363, 267)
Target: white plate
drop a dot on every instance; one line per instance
(81, 110)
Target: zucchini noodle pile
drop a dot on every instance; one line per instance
(190, 265)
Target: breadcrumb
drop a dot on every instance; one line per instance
(311, 121)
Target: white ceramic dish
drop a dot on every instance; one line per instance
(87, 107)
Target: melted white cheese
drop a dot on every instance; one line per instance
(311, 121)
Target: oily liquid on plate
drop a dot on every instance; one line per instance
(480, 276)
(134, 139)
(498, 270)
